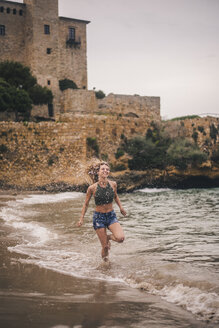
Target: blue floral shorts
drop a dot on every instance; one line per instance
(104, 220)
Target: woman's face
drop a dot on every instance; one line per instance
(104, 171)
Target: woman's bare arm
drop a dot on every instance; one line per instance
(117, 200)
(85, 206)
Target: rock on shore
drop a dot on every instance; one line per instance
(128, 181)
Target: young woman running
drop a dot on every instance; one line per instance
(104, 192)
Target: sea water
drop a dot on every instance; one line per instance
(171, 247)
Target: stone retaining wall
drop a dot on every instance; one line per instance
(34, 154)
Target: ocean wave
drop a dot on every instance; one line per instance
(48, 198)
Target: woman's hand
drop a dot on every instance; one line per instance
(79, 224)
(123, 211)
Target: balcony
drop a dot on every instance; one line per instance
(73, 43)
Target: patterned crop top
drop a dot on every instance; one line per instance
(104, 195)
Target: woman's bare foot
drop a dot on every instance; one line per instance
(106, 259)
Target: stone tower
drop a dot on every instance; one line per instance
(41, 39)
(53, 47)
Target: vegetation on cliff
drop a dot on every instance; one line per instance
(19, 90)
(182, 118)
(157, 150)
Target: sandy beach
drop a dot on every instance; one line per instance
(36, 297)
(52, 276)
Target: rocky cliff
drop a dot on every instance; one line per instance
(52, 156)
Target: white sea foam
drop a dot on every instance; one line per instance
(48, 198)
(15, 215)
(153, 190)
(194, 300)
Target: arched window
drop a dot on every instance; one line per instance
(8, 10)
(21, 12)
(1, 9)
(14, 11)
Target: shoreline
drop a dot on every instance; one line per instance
(32, 296)
(129, 181)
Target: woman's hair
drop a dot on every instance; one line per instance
(93, 169)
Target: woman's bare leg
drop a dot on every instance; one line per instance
(117, 232)
(105, 243)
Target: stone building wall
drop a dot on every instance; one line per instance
(36, 154)
(72, 61)
(43, 65)
(85, 102)
(133, 106)
(14, 22)
(78, 101)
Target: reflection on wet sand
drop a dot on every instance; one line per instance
(36, 297)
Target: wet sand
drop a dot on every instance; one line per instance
(31, 296)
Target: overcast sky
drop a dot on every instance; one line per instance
(165, 48)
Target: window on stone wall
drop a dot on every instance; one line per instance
(21, 12)
(48, 82)
(2, 29)
(46, 29)
(50, 110)
(71, 33)
(14, 11)
(1, 9)
(48, 51)
(8, 10)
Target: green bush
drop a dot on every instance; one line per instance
(52, 159)
(104, 157)
(4, 134)
(120, 152)
(190, 117)
(201, 129)
(100, 94)
(215, 155)
(67, 84)
(195, 136)
(148, 152)
(3, 148)
(182, 152)
(118, 167)
(92, 144)
(145, 154)
(213, 132)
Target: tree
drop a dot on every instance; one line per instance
(19, 89)
(100, 94)
(17, 75)
(40, 95)
(67, 84)
(14, 100)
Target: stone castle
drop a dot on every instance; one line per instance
(55, 48)
(33, 155)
